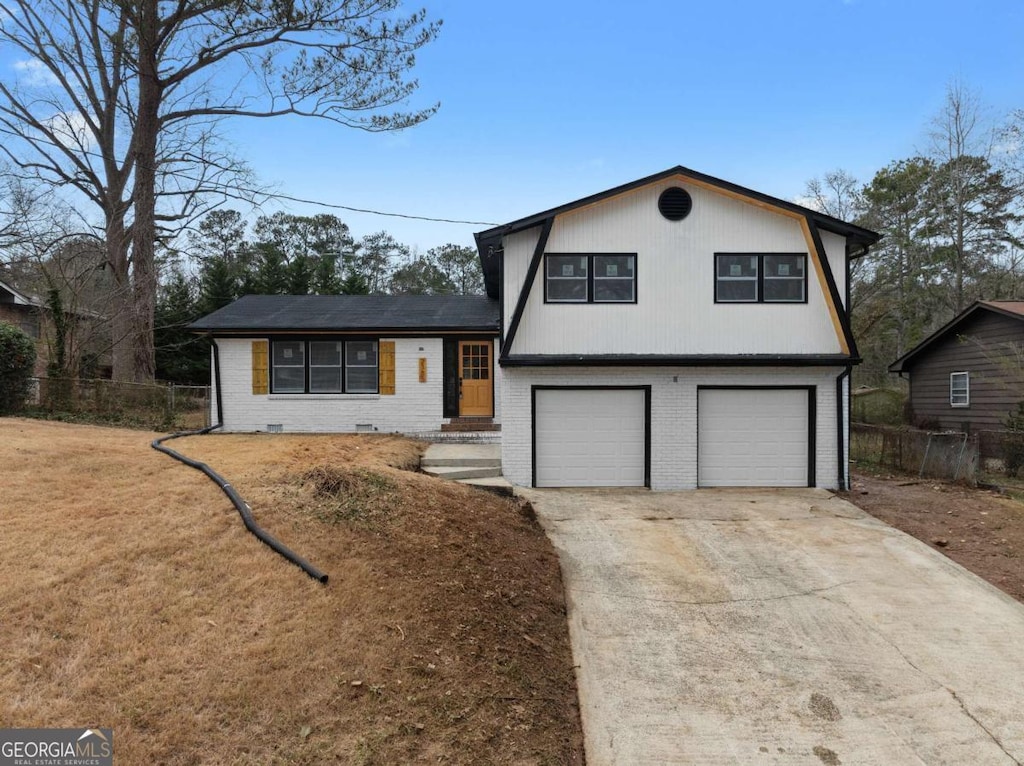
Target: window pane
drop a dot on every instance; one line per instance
(325, 353)
(613, 289)
(782, 290)
(616, 266)
(784, 265)
(325, 380)
(736, 265)
(740, 290)
(568, 266)
(363, 352)
(289, 352)
(959, 388)
(289, 380)
(361, 380)
(567, 290)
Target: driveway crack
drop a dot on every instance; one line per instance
(982, 726)
(938, 683)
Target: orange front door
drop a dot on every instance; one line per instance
(476, 393)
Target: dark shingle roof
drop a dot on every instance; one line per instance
(1011, 309)
(296, 313)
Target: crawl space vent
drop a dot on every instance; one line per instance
(275, 428)
(675, 203)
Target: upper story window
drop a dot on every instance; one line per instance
(590, 278)
(760, 278)
(959, 389)
(324, 367)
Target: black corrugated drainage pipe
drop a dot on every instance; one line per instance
(243, 508)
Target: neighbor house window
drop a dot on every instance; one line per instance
(324, 367)
(590, 278)
(760, 277)
(959, 389)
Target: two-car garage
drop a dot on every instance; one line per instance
(601, 436)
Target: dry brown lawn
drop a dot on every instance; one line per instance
(132, 597)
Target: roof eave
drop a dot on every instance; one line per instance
(835, 225)
(905, 362)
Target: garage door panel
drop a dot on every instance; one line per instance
(590, 437)
(752, 438)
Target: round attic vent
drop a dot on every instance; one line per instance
(675, 203)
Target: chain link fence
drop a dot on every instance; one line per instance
(162, 407)
(950, 455)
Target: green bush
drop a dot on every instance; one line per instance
(17, 359)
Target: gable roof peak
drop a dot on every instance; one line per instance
(1011, 309)
(858, 234)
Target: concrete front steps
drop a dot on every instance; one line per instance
(478, 465)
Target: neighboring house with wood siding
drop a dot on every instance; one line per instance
(969, 374)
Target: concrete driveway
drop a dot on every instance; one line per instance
(779, 626)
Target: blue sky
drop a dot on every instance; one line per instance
(546, 102)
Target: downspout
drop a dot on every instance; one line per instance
(240, 505)
(843, 416)
(216, 381)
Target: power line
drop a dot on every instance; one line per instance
(380, 212)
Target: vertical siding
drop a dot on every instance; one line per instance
(989, 347)
(835, 251)
(673, 414)
(675, 311)
(518, 253)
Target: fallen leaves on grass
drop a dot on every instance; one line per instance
(134, 598)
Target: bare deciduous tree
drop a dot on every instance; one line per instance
(123, 101)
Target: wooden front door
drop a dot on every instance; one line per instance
(476, 392)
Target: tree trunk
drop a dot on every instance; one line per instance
(147, 127)
(122, 322)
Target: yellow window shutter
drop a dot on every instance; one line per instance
(260, 367)
(386, 367)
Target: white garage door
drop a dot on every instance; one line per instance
(589, 438)
(752, 438)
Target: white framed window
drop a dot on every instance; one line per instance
(590, 278)
(959, 389)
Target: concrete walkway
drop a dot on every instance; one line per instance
(478, 465)
(779, 626)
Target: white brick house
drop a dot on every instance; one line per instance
(675, 332)
(354, 362)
